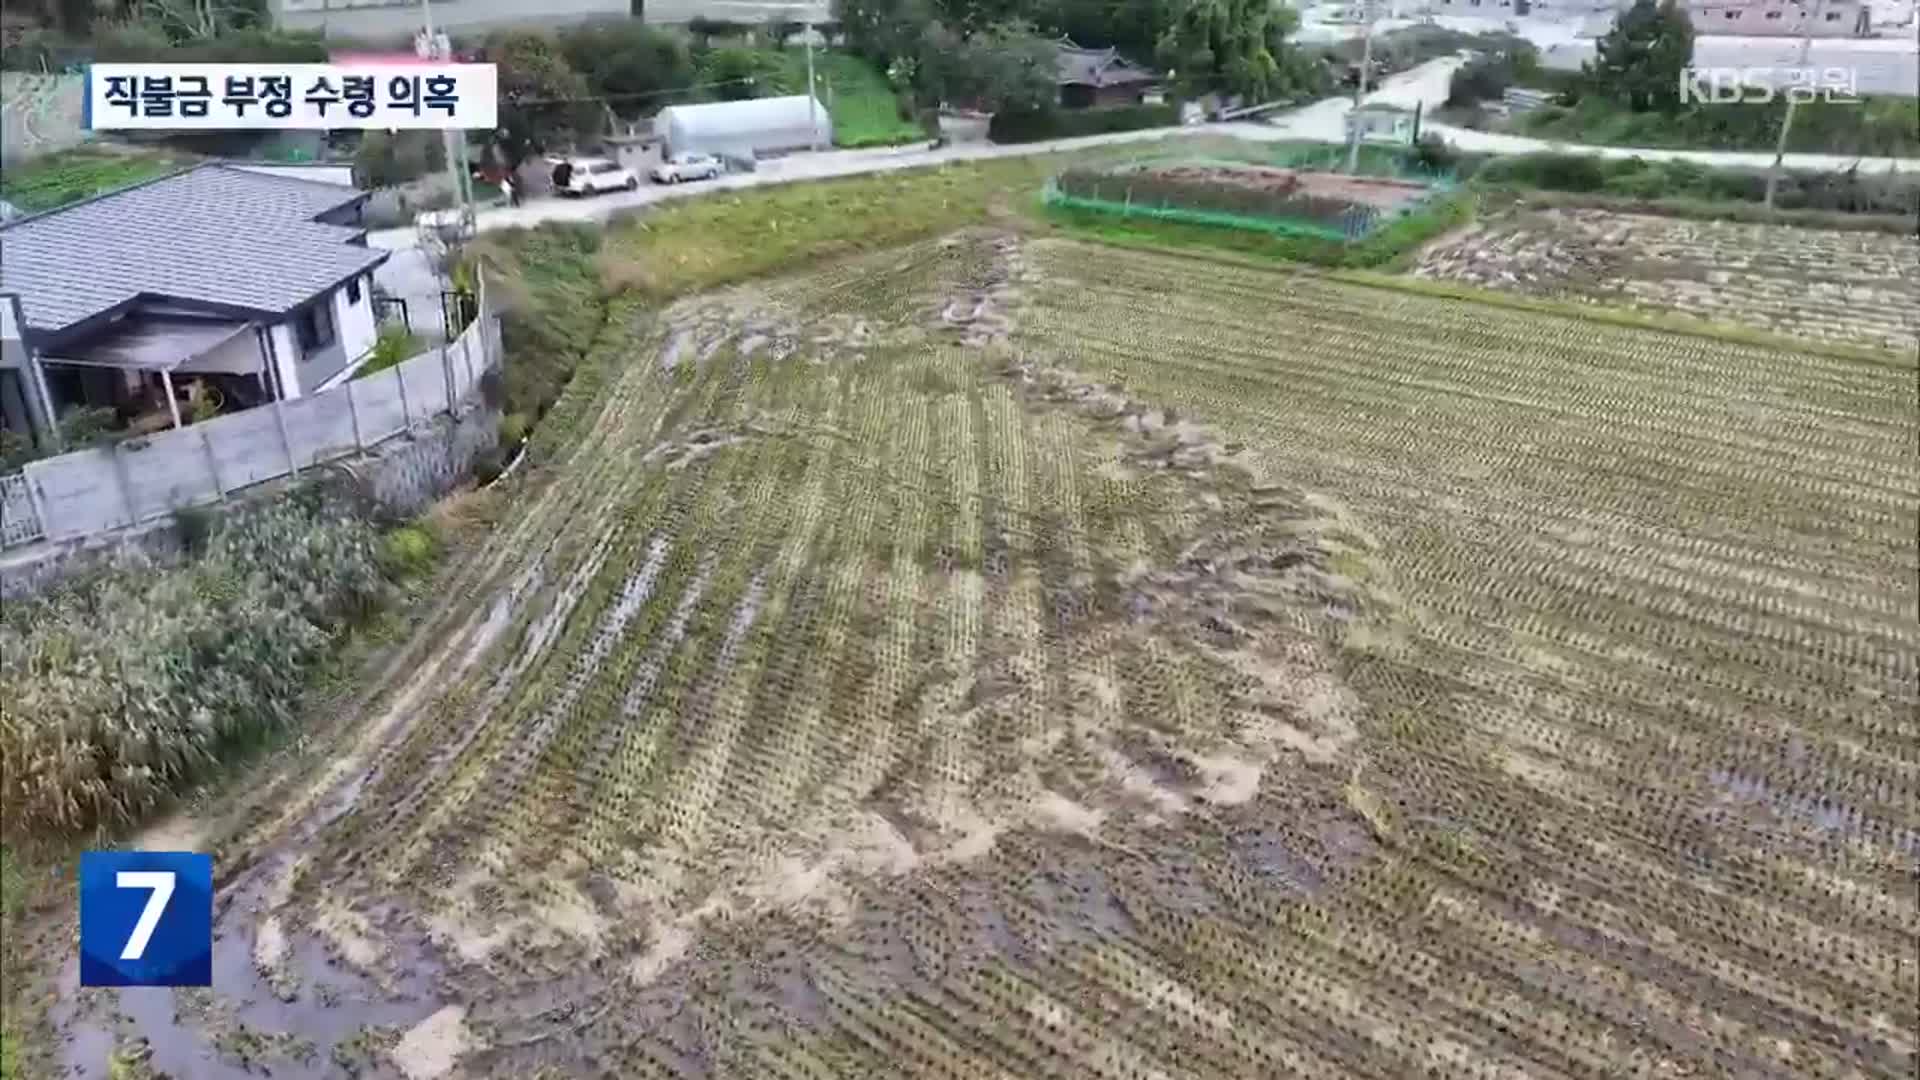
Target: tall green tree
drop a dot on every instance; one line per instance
(1642, 59)
(1221, 45)
(637, 68)
(1008, 67)
(543, 102)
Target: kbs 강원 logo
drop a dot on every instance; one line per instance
(146, 918)
(1759, 85)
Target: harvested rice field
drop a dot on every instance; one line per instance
(1821, 284)
(1009, 657)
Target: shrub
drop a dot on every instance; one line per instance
(488, 464)
(1033, 126)
(736, 72)
(125, 687)
(513, 429)
(408, 550)
(1435, 154)
(633, 65)
(389, 160)
(1488, 75)
(395, 345)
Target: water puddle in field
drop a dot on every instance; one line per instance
(241, 1028)
(1816, 811)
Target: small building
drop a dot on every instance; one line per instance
(1096, 78)
(214, 281)
(744, 129)
(1381, 122)
(1781, 18)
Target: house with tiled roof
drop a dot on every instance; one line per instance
(1094, 78)
(215, 281)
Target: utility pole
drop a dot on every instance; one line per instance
(813, 103)
(437, 47)
(1360, 91)
(1786, 122)
(813, 116)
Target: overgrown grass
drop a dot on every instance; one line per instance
(1871, 127)
(56, 180)
(865, 110)
(557, 280)
(127, 685)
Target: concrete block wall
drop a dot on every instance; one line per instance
(401, 477)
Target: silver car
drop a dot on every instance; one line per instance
(686, 166)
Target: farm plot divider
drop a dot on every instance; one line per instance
(1196, 204)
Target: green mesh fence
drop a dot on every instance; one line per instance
(1359, 223)
(1141, 196)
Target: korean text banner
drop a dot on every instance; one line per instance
(290, 96)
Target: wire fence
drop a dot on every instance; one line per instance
(1175, 188)
(1316, 218)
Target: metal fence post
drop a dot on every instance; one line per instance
(406, 421)
(446, 375)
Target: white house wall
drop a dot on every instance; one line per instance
(354, 319)
(286, 355)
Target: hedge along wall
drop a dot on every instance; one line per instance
(1022, 127)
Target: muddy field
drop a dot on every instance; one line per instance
(1007, 658)
(1858, 287)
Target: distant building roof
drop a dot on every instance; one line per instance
(1098, 67)
(217, 237)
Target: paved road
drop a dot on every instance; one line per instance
(1323, 121)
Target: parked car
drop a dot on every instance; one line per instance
(683, 167)
(591, 176)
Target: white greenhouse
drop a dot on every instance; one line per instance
(745, 128)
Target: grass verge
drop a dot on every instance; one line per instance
(558, 282)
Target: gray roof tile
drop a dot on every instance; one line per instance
(212, 234)
(1097, 67)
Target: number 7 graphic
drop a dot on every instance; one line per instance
(146, 918)
(161, 882)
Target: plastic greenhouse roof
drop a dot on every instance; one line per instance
(741, 118)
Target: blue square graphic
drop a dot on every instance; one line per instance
(146, 918)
